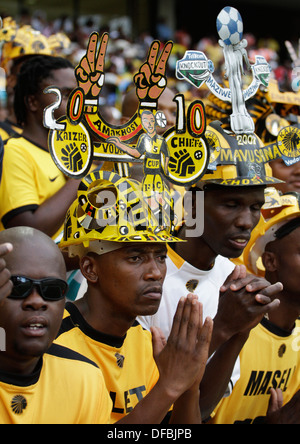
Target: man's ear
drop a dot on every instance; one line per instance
(89, 269)
(31, 103)
(269, 260)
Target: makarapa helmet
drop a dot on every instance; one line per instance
(238, 159)
(26, 41)
(278, 210)
(109, 212)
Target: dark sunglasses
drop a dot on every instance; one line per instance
(51, 289)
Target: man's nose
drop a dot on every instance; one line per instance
(34, 301)
(246, 219)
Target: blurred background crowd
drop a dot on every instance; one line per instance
(133, 29)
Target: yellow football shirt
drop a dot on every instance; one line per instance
(9, 129)
(66, 388)
(29, 177)
(127, 363)
(269, 359)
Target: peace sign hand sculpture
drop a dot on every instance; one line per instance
(90, 71)
(151, 79)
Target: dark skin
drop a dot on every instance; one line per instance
(49, 216)
(290, 175)
(26, 343)
(279, 258)
(24, 347)
(107, 282)
(5, 283)
(230, 215)
(128, 282)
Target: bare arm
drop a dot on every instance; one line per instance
(123, 147)
(50, 215)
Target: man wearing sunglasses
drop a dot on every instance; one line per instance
(46, 383)
(41, 383)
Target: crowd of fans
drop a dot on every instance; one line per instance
(125, 56)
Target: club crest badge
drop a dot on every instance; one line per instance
(194, 68)
(18, 404)
(289, 145)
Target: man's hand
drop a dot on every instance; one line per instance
(182, 361)
(289, 414)
(5, 283)
(244, 301)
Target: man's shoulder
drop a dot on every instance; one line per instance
(66, 354)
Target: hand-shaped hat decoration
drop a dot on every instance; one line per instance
(181, 155)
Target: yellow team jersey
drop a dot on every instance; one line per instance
(9, 129)
(29, 177)
(127, 363)
(269, 359)
(66, 388)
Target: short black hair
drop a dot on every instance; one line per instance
(32, 73)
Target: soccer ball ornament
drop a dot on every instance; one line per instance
(230, 26)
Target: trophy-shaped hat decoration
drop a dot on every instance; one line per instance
(237, 158)
(197, 69)
(230, 30)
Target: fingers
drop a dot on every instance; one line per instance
(91, 50)
(177, 319)
(5, 248)
(162, 63)
(272, 306)
(158, 341)
(192, 323)
(271, 290)
(266, 296)
(102, 52)
(238, 273)
(276, 400)
(5, 283)
(186, 320)
(152, 56)
(204, 336)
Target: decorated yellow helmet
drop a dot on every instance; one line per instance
(238, 159)
(110, 211)
(26, 41)
(278, 210)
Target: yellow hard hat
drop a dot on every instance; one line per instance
(237, 159)
(110, 211)
(277, 211)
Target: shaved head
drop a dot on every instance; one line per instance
(34, 253)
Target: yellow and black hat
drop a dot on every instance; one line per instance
(238, 159)
(109, 212)
(280, 215)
